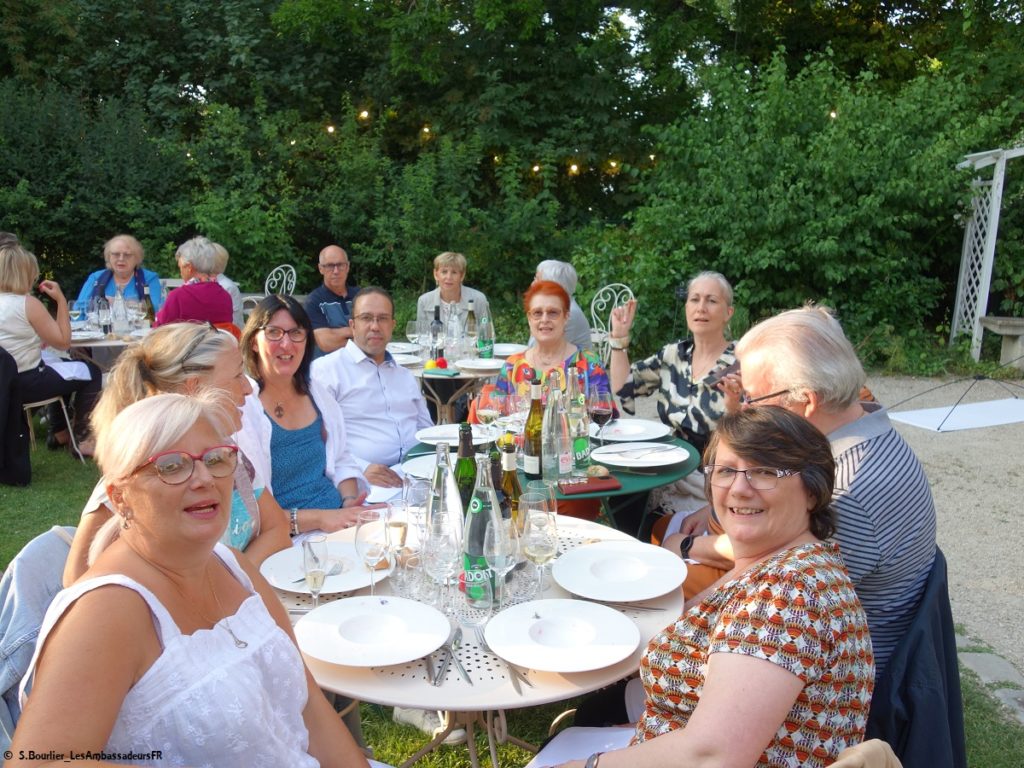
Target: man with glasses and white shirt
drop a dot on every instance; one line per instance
(328, 305)
(381, 401)
(802, 361)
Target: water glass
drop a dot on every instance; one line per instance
(474, 605)
(501, 552)
(407, 579)
(314, 564)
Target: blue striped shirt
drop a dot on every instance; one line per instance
(886, 524)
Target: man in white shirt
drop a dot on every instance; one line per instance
(381, 401)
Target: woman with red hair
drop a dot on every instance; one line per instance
(547, 310)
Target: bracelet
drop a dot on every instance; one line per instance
(685, 546)
(593, 760)
(293, 516)
(619, 342)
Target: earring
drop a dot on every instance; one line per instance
(126, 520)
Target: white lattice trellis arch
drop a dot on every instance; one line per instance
(980, 244)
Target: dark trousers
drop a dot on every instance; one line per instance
(43, 382)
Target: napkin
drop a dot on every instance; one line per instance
(590, 485)
(441, 372)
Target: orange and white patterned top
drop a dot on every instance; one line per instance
(798, 609)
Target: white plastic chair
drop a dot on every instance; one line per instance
(605, 300)
(280, 280)
(29, 407)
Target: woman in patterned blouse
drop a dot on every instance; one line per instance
(772, 665)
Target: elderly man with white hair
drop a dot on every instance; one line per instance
(201, 297)
(802, 361)
(577, 331)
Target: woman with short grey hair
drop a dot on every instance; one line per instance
(201, 297)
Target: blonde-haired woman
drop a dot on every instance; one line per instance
(170, 642)
(184, 358)
(451, 295)
(25, 326)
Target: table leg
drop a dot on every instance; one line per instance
(446, 408)
(492, 722)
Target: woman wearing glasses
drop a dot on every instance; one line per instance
(547, 311)
(292, 428)
(184, 358)
(170, 642)
(773, 664)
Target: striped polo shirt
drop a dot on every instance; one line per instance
(886, 524)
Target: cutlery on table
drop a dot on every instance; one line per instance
(620, 606)
(453, 648)
(514, 674)
(644, 451)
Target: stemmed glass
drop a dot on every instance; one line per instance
(416, 494)
(372, 539)
(490, 405)
(412, 331)
(546, 489)
(540, 536)
(600, 407)
(74, 313)
(501, 551)
(441, 559)
(314, 563)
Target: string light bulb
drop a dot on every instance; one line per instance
(330, 129)
(364, 115)
(574, 169)
(536, 169)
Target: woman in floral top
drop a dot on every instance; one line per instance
(772, 665)
(547, 310)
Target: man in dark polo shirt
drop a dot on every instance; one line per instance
(330, 304)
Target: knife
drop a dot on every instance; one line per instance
(455, 659)
(439, 675)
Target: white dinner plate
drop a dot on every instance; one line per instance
(639, 455)
(86, 335)
(407, 361)
(449, 433)
(619, 570)
(562, 635)
(283, 569)
(628, 430)
(403, 348)
(371, 631)
(423, 466)
(507, 350)
(480, 364)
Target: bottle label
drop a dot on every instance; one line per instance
(475, 572)
(565, 463)
(485, 348)
(531, 465)
(581, 451)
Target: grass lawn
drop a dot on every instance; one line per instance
(61, 485)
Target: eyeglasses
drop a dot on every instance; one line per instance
(122, 255)
(273, 333)
(369, 319)
(758, 478)
(540, 314)
(335, 267)
(746, 399)
(176, 467)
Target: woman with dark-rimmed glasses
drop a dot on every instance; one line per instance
(292, 428)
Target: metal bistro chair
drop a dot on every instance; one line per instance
(280, 280)
(601, 306)
(29, 407)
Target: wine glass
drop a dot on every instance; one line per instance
(74, 313)
(501, 551)
(314, 563)
(548, 489)
(412, 331)
(540, 539)
(490, 405)
(600, 407)
(371, 540)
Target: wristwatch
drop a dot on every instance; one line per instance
(293, 518)
(593, 760)
(685, 545)
(619, 342)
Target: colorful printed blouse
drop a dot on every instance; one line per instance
(518, 372)
(685, 401)
(798, 610)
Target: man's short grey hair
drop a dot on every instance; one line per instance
(200, 253)
(561, 272)
(719, 278)
(805, 350)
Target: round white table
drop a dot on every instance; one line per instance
(492, 691)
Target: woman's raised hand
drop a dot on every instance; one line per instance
(622, 319)
(52, 289)
(732, 387)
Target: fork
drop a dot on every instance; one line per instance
(514, 674)
(646, 450)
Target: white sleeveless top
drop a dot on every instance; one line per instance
(205, 702)
(17, 335)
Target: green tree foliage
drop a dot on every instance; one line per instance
(815, 187)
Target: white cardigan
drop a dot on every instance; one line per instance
(254, 438)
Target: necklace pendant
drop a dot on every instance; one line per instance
(279, 411)
(238, 643)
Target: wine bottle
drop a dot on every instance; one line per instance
(436, 334)
(483, 513)
(148, 314)
(510, 486)
(485, 339)
(532, 433)
(465, 465)
(471, 327)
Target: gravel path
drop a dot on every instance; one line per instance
(976, 477)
